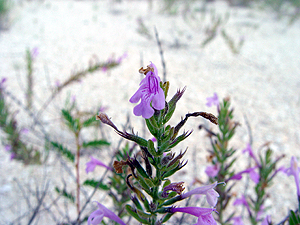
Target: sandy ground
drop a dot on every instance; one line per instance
(263, 81)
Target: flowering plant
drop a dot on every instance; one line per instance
(154, 192)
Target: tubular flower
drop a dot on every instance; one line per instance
(214, 100)
(149, 92)
(213, 170)
(294, 170)
(208, 190)
(252, 173)
(204, 214)
(251, 153)
(242, 201)
(97, 216)
(90, 166)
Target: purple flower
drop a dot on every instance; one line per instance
(208, 190)
(242, 201)
(3, 80)
(204, 214)
(7, 148)
(251, 153)
(213, 170)
(24, 131)
(237, 220)
(90, 166)
(34, 52)
(97, 216)
(120, 59)
(267, 220)
(214, 100)
(294, 170)
(149, 92)
(12, 156)
(103, 108)
(252, 173)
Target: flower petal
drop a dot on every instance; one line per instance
(158, 101)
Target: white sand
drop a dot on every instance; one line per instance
(263, 81)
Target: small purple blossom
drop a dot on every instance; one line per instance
(237, 220)
(103, 108)
(12, 156)
(251, 153)
(149, 92)
(57, 83)
(213, 170)
(24, 131)
(120, 59)
(242, 201)
(294, 170)
(267, 220)
(90, 166)
(97, 216)
(208, 190)
(34, 52)
(3, 80)
(204, 214)
(7, 148)
(252, 173)
(214, 100)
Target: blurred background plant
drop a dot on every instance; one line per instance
(5, 6)
(262, 169)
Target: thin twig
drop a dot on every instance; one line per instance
(40, 201)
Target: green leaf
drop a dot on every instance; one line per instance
(294, 219)
(89, 122)
(65, 194)
(64, 151)
(132, 212)
(70, 121)
(95, 143)
(94, 184)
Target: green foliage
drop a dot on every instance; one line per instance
(95, 143)
(96, 184)
(64, 151)
(4, 7)
(147, 186)
(72, 123)
(65, 194)
(294, 218)
(20, 150)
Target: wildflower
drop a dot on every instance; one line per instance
(237, 220)
(204, 214)
(213, 170)
(3, 80)
(267, 220)
(242, 201)
(149, 92)
(97, 216)
(294, 170)
(34, 52)
(90, 166)
(7, 148)
(12, 156)
(251, 153)
(214, 100)
(252, 173)
(208, 190)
